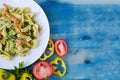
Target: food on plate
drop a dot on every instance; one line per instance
(18, 31)
(26, 76)
(61, 47)
(42, 70)
(49, 51)
(59, 63)
(4, 75)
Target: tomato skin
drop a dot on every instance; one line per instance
(61, 47)
(39, 70)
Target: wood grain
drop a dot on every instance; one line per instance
(92, 33)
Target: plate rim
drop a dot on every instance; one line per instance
(47, 22)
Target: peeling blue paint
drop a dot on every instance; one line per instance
(92, 32)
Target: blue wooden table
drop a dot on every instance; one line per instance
(92, 33)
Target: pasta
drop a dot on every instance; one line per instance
(18, 32)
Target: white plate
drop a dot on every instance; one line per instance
(41, 19)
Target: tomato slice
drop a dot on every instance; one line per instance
(42, 70)
(61, 47)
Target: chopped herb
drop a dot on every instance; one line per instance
(12, 37)
(21, 64)
(25, 24)
(12, 53)
(1, 52)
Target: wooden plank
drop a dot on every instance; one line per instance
(92, 33)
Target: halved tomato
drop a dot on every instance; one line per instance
(61, 47)
(42, 70)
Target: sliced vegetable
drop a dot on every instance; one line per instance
(22, 73)
(61, 47)
(4, 75)
(49, 51)
(59, 63)
(42, 70)
(26, 76)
